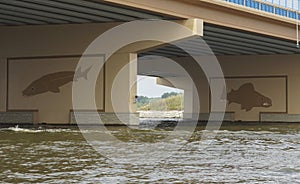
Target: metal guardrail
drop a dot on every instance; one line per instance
(268, 7)
(271, 7)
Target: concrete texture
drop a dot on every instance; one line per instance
(279, 117)
(92, 118)
(17, 117)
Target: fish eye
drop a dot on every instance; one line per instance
(32, 89)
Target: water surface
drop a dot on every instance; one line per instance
(256, 153)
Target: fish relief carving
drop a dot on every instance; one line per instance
(52, 82)
(248, 98)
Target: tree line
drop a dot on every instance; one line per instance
(168, 101)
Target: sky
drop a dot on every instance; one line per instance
(146, 86)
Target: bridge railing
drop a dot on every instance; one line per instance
(268, 7)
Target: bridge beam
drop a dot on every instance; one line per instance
(221, 13)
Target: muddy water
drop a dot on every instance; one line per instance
(238, 154)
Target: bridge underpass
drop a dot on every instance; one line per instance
(264, 64)
(41, 37)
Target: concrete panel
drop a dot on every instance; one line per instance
(18, 117)
(228, 116)
(53, 106)
(279, 117)
(92, 118)
(248, 102)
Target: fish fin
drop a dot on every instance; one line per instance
(232, 91)
(247, 87)
(246, 108)
(54, 89)
(86, 72)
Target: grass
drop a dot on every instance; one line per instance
(162, 104)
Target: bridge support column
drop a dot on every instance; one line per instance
(121, 87)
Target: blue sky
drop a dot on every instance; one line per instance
(146, 86)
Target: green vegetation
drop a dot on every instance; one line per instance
(166, 95)
(167, 102)
(142, 101)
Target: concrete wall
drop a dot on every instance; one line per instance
(276, 77)
(269, 72)
(43, 42)
(29, 53)
(22, 74)
(32, 51)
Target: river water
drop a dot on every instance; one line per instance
(254, 153)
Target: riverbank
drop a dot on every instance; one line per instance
(160, 114)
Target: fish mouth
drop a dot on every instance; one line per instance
(266, 104)
(25, 94)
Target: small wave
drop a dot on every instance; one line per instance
(38, 130)
(250, 132)
(17, 129)
(54, 130)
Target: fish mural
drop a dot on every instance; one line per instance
(52, 82)
(248, 98)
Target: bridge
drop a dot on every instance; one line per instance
(255, 42)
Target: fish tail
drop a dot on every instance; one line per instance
(84, 74)
(80, 74)
(228, 98)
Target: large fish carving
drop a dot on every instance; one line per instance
(52, 82)
(248, 97)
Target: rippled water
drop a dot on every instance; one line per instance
(238, 154)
